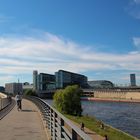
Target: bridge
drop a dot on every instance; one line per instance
(38, 121)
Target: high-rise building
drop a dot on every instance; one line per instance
(132, 80)
(43, 81)
(65, 78)
(35, 76)
(46, 81)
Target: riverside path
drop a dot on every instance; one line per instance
(23, 125)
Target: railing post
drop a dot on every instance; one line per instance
(47, 117)
(56, 124)
(74, 135)
(53, 125)
(61, 127)
(0, 104)
(51, 121)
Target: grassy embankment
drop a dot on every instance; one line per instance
(95, 126)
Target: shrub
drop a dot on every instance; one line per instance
(29, 92)
(68, 100)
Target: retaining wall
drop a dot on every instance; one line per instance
(118, 94)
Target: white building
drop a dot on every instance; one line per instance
(13, 88)
(35, 79)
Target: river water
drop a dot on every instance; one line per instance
(124, 116)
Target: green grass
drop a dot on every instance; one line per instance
(95, 126)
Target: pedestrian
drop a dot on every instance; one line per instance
(82, 126)
(18, 101)
(102, 126)
(9, 98)
(106, 137)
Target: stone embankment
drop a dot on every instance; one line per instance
(122, 96)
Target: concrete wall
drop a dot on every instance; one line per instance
(3, 101)
(2, 95)
(117, 94)
(134, 95)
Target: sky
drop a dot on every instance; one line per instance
(97, 38)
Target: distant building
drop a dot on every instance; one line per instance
(2, 89)
(43, 81)
(27, 85)
(35, 76)
(65, 78)
(13, 88)
(46, 81)
(100, 84)
(132, 80)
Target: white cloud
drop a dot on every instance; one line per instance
(133, 8)
(4, 18)
(21, 55)
(137, 1)
(136, 41)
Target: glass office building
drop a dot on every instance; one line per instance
(132, 79)
(65, 78)
(46, 81)
(43, 81)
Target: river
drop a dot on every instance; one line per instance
(124, 116)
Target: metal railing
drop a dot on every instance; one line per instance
(60, 127)
(4, 102)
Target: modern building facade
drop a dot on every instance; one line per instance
(65, 78)
(13, 88)
(46, 81)
(43, 81)
(132, 80)
(100, 84)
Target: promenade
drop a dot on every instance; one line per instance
(23, 125)
(27, 124)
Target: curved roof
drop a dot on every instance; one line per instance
(101, 84)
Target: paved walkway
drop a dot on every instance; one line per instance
(23, 125)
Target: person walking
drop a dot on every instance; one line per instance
(106, 137)
(18, 101)
(82, 126)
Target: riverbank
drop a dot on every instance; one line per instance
(100, 128)
(110, 100)
(124, 116)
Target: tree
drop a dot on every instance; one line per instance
(29, 92)
(68, 100)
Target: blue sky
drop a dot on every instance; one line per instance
(97, 38)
